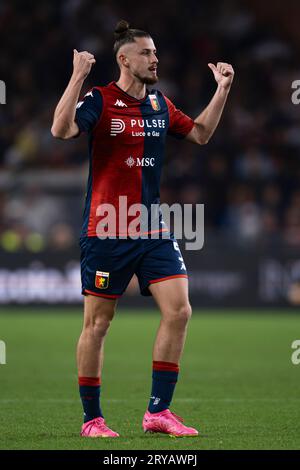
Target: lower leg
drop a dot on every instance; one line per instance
(90, 350)
(90, 353)
(170, 337)
(167, 352)
(172, 299)
(168, 346)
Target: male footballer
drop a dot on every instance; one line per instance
(127, 125)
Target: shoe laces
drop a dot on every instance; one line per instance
(101, 423)
(179, 418)
(96, 422)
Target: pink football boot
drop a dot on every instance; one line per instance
(97, 428)
(167, 423)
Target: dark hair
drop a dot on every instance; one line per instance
(125, 35)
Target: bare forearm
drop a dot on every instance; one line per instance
(209, 119)
(64, 124)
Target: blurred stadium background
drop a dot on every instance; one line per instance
(248, 176)
(240, 387)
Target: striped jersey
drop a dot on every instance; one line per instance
(126, 140)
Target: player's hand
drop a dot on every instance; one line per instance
(82, 63)
(223, 74)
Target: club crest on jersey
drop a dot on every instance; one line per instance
(101, 280)
(154, 102)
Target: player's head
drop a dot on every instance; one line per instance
(135, 53)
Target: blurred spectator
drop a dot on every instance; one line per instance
(243, 214)
(292, 226)
(253, 164)
(35, 210)
(61, 237)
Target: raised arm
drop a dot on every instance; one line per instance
(205, 124)
(64, 125)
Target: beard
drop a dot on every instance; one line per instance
(150, 81)
(147, 80)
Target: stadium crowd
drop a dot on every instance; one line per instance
(248, 176)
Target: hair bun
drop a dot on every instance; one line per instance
(121, 28)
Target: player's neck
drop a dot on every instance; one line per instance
(132, 87)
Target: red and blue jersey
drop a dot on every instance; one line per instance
(126, 149)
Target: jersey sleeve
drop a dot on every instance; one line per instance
(179, 123)
(88, 110)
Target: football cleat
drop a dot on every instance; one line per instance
(168, 423)
(97, 428)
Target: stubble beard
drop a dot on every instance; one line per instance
(147, 80)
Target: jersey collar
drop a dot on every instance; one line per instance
(129, 96)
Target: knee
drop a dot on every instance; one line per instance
(185, 312)
(180, 315)
(98, 322)
(98, 326)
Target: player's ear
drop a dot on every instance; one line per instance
(123, 60)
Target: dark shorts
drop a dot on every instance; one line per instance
(108, 265)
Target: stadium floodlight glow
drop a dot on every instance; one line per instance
(2, 353)
(2, 92)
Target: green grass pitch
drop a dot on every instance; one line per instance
(237, 384)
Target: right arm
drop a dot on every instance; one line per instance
(64, 125)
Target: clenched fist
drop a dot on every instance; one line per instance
(82, 64)
(223, 74)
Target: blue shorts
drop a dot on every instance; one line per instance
(108, 265)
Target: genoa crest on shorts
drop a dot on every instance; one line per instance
(101, 280)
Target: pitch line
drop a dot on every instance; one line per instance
(125, 400)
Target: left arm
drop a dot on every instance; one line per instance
(205, 124)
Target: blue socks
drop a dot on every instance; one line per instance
(89, 389)
(164, 379)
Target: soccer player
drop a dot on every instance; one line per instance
(127, 126)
